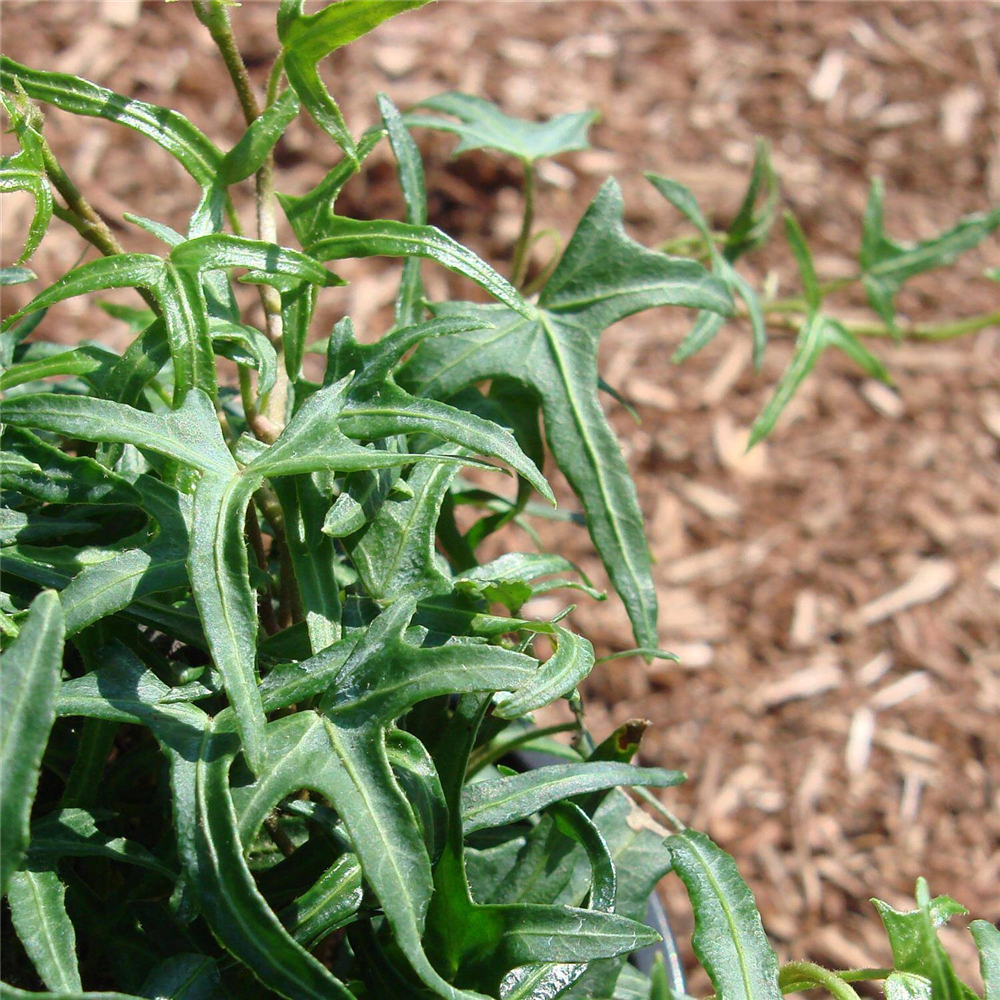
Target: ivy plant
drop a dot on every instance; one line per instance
(265, 707)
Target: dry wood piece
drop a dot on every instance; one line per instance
(823, 674)
(883, 399)
(711, 502)
(899, 691)
(934, 578)
(859, 741)
(657, 397)
(805, 620)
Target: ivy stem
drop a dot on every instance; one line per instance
(215, 16)
(951, 330)
(519, 265)
(82, 216)
(808, 975)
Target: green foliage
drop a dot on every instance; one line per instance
(482, 125)
(259, 689)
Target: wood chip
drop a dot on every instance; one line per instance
(934, 578)
(882, 399)
(959, 109)
(726, 373)
(859, 742)
(730, 442)
(805, 620)
(823, 675)
(121, 13)
(651, 394)
(902, 690)
(711, 502)
(826, 80)
(875, 669)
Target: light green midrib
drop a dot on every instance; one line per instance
(611, 508)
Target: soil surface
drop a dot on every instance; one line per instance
(839, 741)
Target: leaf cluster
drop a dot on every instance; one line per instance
(260, 693)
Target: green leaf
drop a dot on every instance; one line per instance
(313, 555)
(48, 474)
(169, 129)
(809, 346)
(602, 277)
(707, 323)
(73, 833)
(752, 224)
(482, 125)
(395, 553)
(387, 238)
(987, 939)
(915, 945)
(176, 282)
(817, 333)
(16, 276)
(410, 168)
(184, 977)
(308, 38)
(82, 361)
(31, 668)
(38, 911)
(329, 904)
(212, 853)
(309, 215)
(571, 662)
(729, 939)
(803, 258)
(391, 410)
(907, 986)
(189, 434)
(886, 263)
(501, 801)
(25, 171)
(250, 153)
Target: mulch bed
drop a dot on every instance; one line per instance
(839, 741)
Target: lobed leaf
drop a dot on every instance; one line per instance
(886, 263)
(603, 276)
(482, 125)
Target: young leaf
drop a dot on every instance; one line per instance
(309, 215)
(31, 668)
(558, 677)
(729, 939)
(38, 911)
(25, 171)
(602, 277)
(307, 38)
(915, 945)
(482, 125)
(708, 323)
(886, 263)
